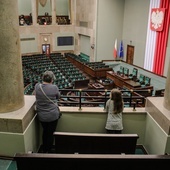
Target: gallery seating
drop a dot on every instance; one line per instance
(65, 72)
(90, 143)
(35, 161)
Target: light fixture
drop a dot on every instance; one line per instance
(45, 39)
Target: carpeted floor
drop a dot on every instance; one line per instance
(7, 165)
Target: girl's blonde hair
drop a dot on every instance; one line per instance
(116, 96)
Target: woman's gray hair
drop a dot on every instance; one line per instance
(48, 76)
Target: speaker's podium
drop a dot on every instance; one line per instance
(81, 84)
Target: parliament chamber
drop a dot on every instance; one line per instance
(75, 76)
(83, 86)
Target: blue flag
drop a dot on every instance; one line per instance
(121, 52)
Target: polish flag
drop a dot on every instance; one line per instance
(115, 50)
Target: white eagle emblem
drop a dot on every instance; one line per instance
(157, 19)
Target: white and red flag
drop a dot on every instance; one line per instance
(115, 50)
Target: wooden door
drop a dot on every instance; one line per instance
(130, 54)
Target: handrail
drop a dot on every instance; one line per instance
(99, 97)
(91, 97)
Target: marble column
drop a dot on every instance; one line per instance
(166, 102)
(34, 5)
(11, 84)
(53, 7)
(70, 10)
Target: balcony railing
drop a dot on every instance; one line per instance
(98, 98)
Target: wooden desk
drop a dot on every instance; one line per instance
(159, 92)
(147, 90)
(108, 86)
(139, 90)
(81, 84)
(96, 86)
(132, 84)
(123, 81)
(118, 79)
(95, 73)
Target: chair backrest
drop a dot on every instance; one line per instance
(90, 143)
(88, 161)
(135, 72)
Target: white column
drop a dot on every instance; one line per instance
(167, 91)
(11, 84)
(34, 4)
(53, 7)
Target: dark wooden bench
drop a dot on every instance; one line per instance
(94, 143)
(89, 161)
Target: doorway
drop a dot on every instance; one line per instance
(130, 54)
(46, 49)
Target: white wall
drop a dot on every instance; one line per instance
(135, 28)
(25, 7)
(62, 7)
(85, 44)
(46, 8)
(28, 43)
(109, 27)
(155, 137)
